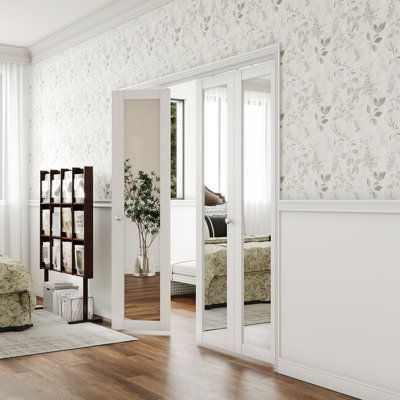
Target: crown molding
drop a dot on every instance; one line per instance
(14, 54)
(103, 20)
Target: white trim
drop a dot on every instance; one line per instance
(275, 216)
(165, 209)
(102, 312)
(217, 67)
(348, 206)
(103, 20)
(199, 212)
(96, 203)
(14, 54)
(117, 212)
(338, 383)
(257, 353)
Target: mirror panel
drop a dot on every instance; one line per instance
(256, 95)
(142, 209)
(215, 119)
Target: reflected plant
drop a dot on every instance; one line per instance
(142, 204)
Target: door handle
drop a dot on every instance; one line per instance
(227, 221)
(118, 218)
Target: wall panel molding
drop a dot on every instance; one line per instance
(347, 206)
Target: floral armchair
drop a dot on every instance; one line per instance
(17, 297)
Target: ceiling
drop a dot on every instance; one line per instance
(26, 22)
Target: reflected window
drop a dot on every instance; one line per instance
(177, 148)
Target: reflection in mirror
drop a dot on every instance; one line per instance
(257, 211)
(142, 209)
(215, 209)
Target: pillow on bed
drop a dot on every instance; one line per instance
(216, 225)
(212, 198)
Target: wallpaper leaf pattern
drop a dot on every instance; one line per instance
(340, 93)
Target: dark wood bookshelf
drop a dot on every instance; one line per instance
(87, 207)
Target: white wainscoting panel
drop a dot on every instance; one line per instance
(340, 296)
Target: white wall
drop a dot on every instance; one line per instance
(183, 230)
(340, 297)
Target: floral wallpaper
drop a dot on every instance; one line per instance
(340, 91)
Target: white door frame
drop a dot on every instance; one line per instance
(254, 57)
(118, 221)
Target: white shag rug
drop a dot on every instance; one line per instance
(50, 333)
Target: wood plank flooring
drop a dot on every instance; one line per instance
(142, 297)
(172, 368)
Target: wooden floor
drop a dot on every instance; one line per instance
(172, 368)
(142, 297)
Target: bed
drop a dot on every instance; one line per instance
(17, 297)
(257, 271)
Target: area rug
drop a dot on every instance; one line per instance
(215, 318)
(50, 333)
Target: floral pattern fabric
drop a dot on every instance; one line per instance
(257, 272)
(17, 297)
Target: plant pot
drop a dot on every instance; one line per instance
(144, 266)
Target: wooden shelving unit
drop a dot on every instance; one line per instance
(87, 207)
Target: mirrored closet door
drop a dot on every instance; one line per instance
(215, 98)
(235, 149)
(256, 210)
(141, 208)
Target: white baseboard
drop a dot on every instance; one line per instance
(334, 382)
(102, 312)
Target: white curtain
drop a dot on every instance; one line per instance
(256, 174)
(14, 218)
(215, 139)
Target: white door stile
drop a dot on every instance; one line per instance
(275, 195)
(255, 71)
(118, 240)
(165, 204)
(225, 342)
(231, 227)
(199, 212)
(117, 212)
(238, 284)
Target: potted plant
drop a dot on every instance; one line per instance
(142, 206)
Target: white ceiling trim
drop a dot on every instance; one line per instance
(14, 54)
(99, 22)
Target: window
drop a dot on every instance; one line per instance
(216, 139)
(177, 148)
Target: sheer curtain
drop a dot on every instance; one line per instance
(215, 139)
(256, 174)
(14, 221)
